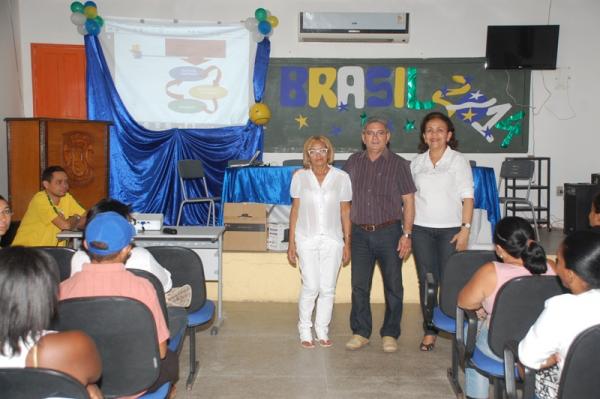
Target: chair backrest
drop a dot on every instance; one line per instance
(62, 256)
(125, 334)
(460, 268)
(518, 304)
(517, 169)
(36, 383)
(190, 169)
(579, 377)
(293, 162)
(158, 287)
(185, 267)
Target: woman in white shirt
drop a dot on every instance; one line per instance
(565, 316)
(443, 204)
(319, 235)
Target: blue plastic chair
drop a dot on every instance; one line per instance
(460, 268)
(518, 304)
(186, 267)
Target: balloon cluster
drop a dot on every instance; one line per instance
(85, 17)
(261, 25)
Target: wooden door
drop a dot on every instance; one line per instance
(58, 80)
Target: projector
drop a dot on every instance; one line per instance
(147, 221)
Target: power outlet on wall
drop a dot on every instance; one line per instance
(560, 190)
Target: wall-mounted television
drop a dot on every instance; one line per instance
(522, 46)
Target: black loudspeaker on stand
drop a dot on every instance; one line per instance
(578, 201)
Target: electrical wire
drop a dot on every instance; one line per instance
(14, 40)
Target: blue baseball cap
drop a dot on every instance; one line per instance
(108, 233)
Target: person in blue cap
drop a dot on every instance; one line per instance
(108, 239)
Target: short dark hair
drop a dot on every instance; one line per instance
(516, 236)
(28, 295)
(581, 252)
(108, 205)
(452, 143)
(3, 199)
(50, 170)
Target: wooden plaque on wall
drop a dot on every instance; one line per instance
(79, 146)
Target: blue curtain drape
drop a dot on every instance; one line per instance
(143, 163)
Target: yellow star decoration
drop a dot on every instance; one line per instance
(302, 121)
(468, 115)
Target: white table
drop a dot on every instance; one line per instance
(207, 242)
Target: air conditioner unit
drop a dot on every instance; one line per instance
(353, 27)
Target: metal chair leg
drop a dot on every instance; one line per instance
(193, 362)
(179, 214)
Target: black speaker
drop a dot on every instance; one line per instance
(578, 201)
(595, 178)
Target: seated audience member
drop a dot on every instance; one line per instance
(140, 258)
(28, 302)
(594, 216)
(520, 256)
(108, 239)
(565, 316)
(5, 216)
(51, 210)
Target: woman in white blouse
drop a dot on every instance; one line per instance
(319, 235)
(565, 316)
(443, 204)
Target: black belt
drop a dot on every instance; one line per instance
(373, 227)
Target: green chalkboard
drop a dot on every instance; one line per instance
(333, 97)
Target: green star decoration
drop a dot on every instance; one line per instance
(409, 125)
(363, 119)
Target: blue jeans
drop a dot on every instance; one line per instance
(367, 248)
(477, 385)
(431, 248)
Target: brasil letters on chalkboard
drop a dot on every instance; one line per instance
(333, 97)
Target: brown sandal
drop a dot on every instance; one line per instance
(426, 347)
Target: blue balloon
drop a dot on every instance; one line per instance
(90, 3)
(264, 27)
(92, 27)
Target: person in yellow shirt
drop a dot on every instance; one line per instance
(51, 210)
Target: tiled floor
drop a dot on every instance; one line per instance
(257, 355)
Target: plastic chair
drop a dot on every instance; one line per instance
(177, 337)
(34, 383)
(293, 162)
(186, 268)
(518, 170)
(460, 268)
(579, 378)
(125, 334)
(62, 256)
(192, 169)
(518, 304)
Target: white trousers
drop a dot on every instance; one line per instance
(320, 259)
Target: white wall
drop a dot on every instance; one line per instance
(562, 128)
(11, 101)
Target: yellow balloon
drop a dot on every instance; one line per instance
(273, 20)
(90, 12)
(260, 114)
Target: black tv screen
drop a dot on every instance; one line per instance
(522, 47)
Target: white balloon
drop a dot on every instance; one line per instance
(251, 24)
(82, 31)
(78, 19)
(257, 37)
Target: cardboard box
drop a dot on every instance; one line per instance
(245, 227)
(278, 236)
